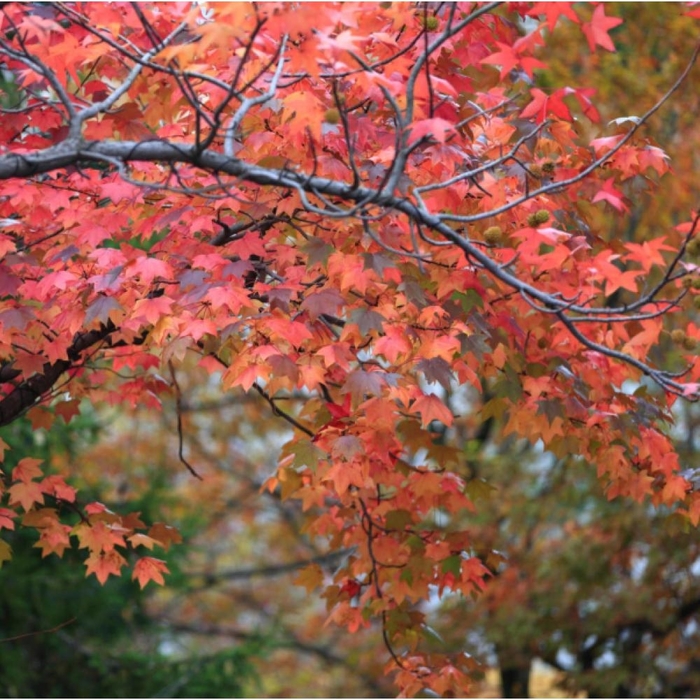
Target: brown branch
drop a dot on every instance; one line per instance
(29, 391)
(272, 569)
(180, 434)
(33, 634)
(282, 414)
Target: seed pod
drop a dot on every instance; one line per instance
(678, 336)
(332, 116)
(493, 235)
(693, 248)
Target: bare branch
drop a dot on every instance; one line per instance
(271, 570)
(248, 102)
(180, 433)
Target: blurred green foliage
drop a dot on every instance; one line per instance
(64, 635)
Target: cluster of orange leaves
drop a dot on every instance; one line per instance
(99, 530)
(377, 326)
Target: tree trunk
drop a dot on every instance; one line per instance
(515, 680)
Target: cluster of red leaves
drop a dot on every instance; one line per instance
(129, 267)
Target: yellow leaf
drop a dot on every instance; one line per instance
(310, 577)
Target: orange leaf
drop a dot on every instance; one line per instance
(165, 535)
(40, 417)
(99, 537)
(149, 569)
(139, 539)
(432, 408)
(27, 469)
(68, 409)
(26, 494)
(309, 577)
(104, 564)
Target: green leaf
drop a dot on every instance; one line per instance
(306, 454)
(495, 408)
(452, 565)
(398, 519)
(468, 300)
(479, 489)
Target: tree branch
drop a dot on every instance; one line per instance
(74, 151)
(31, 390)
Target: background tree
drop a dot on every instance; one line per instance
(360, 209)
(606, 592)
(66, 636)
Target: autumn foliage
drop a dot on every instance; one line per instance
(368, 207)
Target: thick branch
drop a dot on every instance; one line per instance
(72, 152)
(76, 152)
(30, 390)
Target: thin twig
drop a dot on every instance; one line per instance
(178, 411)
(33, 634)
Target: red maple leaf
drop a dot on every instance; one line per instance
(543, 104)
(507, 58)
(437, 128)
(553, 11)
(597, 29)
(609, 194)
(56, 486)
(6, 521)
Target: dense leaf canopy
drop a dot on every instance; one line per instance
(378, 218)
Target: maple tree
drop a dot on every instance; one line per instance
(601, 625)
(367, 205)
